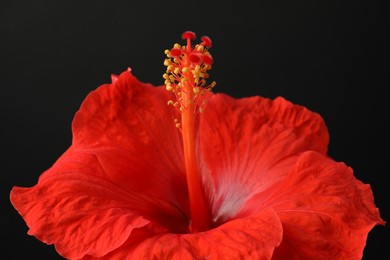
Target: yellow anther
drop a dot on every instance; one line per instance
(177, 125)
(213, 84)
(169, 87)
(170, 68)
(185, 77)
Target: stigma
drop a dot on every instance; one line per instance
(187, 71)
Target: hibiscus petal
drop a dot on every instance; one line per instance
(79, 208)
(254, 237)
(130, 128)
(256, 142)
(132, 116)
(325, 211)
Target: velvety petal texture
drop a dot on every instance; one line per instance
(325, 211)
(248, 144)
(78, 208)
(120, 190)
(126, 159)
(128, 126)
(237, 239)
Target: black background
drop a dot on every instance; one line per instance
(330, 56)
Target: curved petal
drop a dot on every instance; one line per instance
(325, 211)
(126, 114)
(254, 237)
(129, 115)
(80, 208)
(252, 147)
(131, 129)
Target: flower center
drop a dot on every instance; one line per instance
(185, 77)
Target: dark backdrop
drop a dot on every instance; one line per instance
(330, 56)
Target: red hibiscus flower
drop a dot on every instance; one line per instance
(207, 176)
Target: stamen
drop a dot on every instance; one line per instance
(185, 63)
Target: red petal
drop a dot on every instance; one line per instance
(256, 142)
(77, 208)
(126, 162)
(130, 128)
(116, 115)
(254, 237)
(325, 211)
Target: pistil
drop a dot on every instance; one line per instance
(198, 206)
(185, 78)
